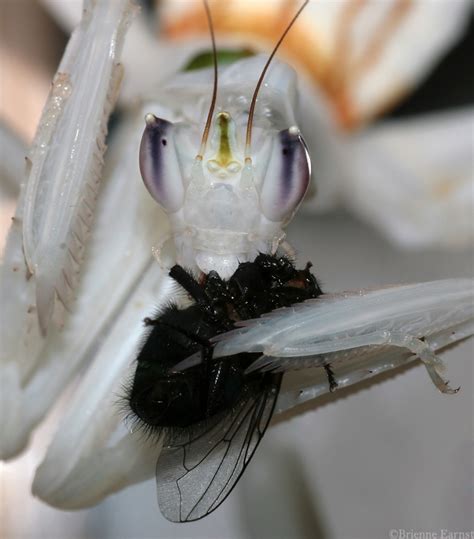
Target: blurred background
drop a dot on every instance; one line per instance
(394, 454)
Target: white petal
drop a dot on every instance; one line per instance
(12, 163)
(408, 57)
(67, 14)
(364, 56)
(413, 179)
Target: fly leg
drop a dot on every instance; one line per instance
(333, 385)
(196, 291)
(215, 390)
(225, 379)
(203, 299)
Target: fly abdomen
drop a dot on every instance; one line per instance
(160, 397)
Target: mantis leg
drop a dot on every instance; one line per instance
(416, 345)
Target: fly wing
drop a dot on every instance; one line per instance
(194, 476)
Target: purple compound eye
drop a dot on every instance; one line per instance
(287, 176)
(159, 164)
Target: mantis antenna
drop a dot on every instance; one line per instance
(207, 127)
(248, 138)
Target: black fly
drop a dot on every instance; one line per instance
(213, 415)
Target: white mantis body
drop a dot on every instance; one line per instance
(222, 209)
(419, 319)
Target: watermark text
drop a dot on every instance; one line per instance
(401, 533)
